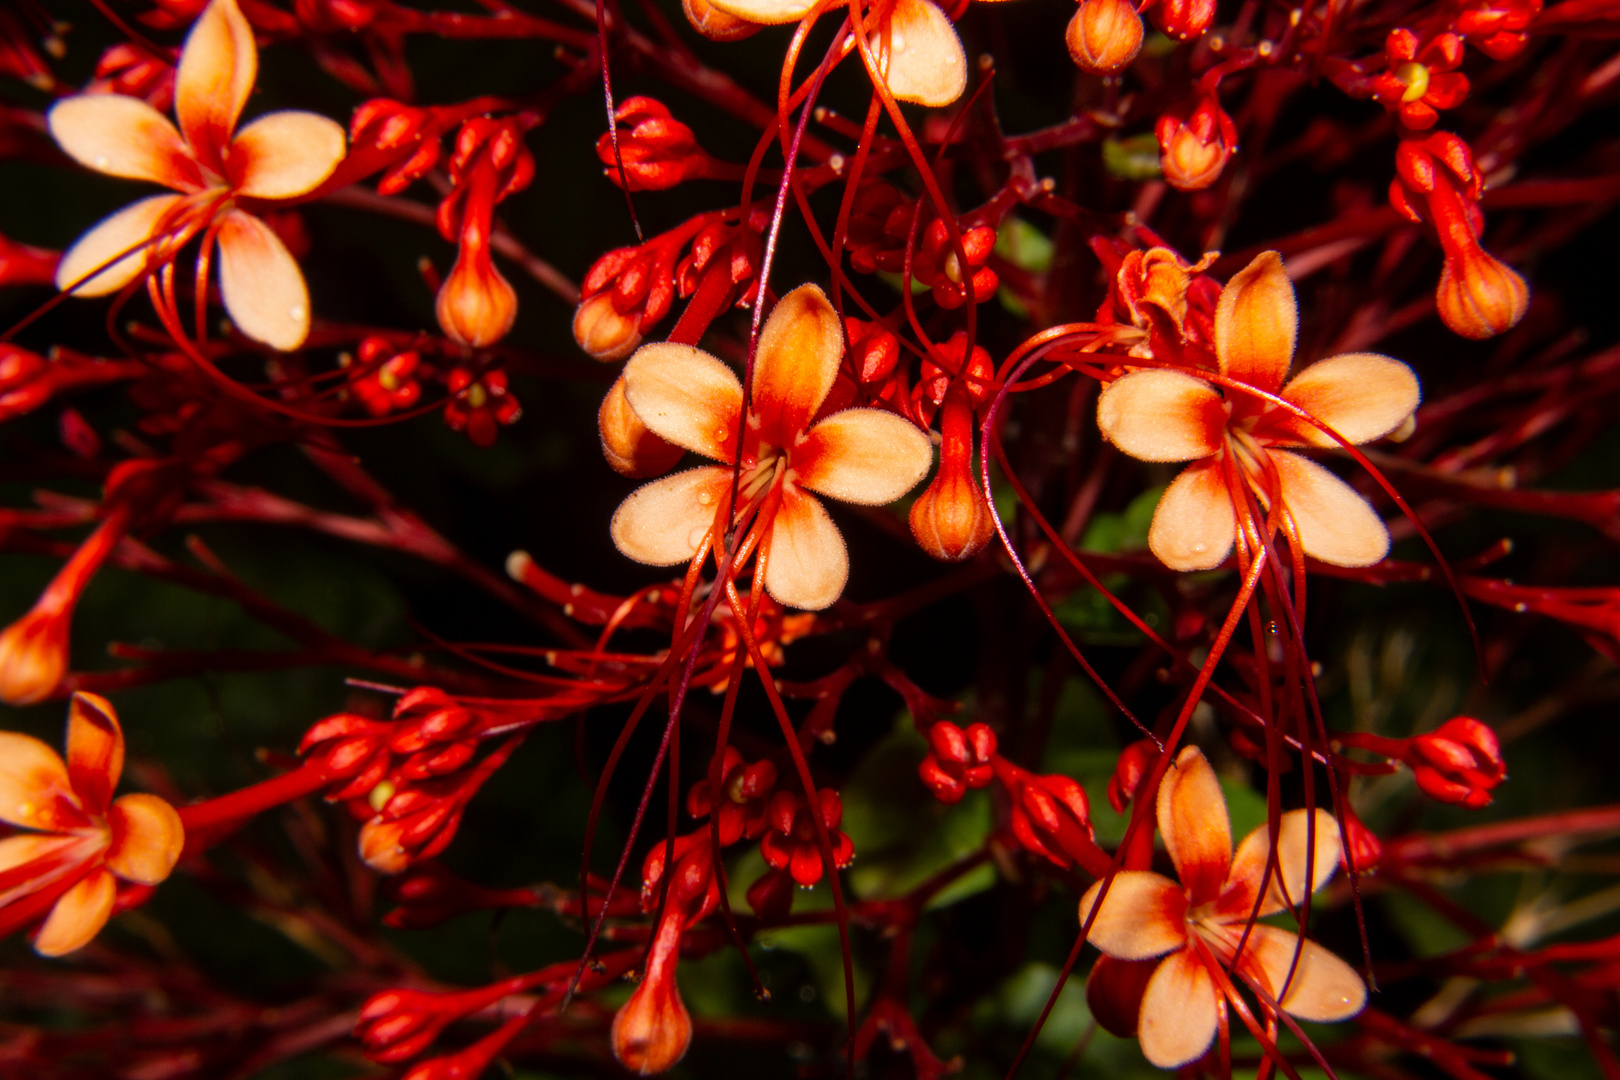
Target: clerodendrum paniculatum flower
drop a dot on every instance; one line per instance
(691, 399)
(1198, 925)
(1234, 438)
(214, 168)
(76, 839)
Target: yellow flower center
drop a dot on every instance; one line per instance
(1416, 78)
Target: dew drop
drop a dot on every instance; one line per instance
(101, 161)
(296, 311)
(705, 498)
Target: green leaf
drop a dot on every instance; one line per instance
(1135, 157)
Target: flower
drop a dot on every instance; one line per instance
(792, 844)
(1201, 922)
(282, 155)
(691, 399)
(78, 839)
(1195, 145)
(1166, 415)
(1421, 79)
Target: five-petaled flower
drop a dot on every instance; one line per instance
(1206, 923)
(282, 155)
(76, 839)
(693, 400)
(1232, 438)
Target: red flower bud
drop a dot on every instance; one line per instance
(1194, 149)
(603, 332)
(792, 843)
(1134, 762)
(1479, 295)
(34, 655)
(628, 444)
(1459, 762)
(951, 519)
(771, 896)
(1104, 36)
(658, 151)
(1184, 19)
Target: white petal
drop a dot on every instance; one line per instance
(1324, 988)
(866, 456)
(113, 236)
(662, 523)
(1144, 915)
(1178, 1011)
(1193, 527)
(285, 154)
(123, 136)
(261, 283)
(926, 61)
(1162, 415)
(1335, 524)
(685, 396)
(217, 67)
(809, 563)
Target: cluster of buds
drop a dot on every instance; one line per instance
(1195, 143)
(132, 71)
(396, 1025)
(1497, 28)
(476, 305)
(1420, 78)
(479, 403)
(1156, 291)
(401, 139)
(958, 760)
(1104, 36)
(879, 224)
(745, 790)
(951, 519)
(1051, 817)
(658, 151)
(1459, 762)
(1438, 184)
(791, 844)
(387, 377)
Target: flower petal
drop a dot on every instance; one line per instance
(866, 456)
(1193, 527)
(1255, 321)
(1286, 888)
(1114, 991)
(35, 792)
(217, 67)
(1143, 915)
(1178, 1011)
(1162, 415)
(95, 751)
(809, 563)
(285, 154)
(662, 523)
(30, 861)
(1362, 396)
(113, 236)
(686, 397)
(147, 836)
(925, 62)
(767, 12)
(1192, 819)
(1335, 524)
(78, 916)
(123, 136)
(1324, 988)
(799, 351)
(260, 282)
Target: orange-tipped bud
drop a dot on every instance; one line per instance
(652, 1030)
(950, 520)
(603, 332)
(628, 445)
(476, 304)
(34, 655)
(1479, 295)
(1104, 36)
(715, 24)
(1194, 150)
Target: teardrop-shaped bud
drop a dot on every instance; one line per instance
(33, 656)
(1480, 296)
(629, 445)
(476, 305)
(1104, 36)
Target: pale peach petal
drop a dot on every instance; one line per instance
(78, 916)
(1324, 988)
(866, 456)
(1192, 819)
(797, 361)
(1162, 415)
(662, 523)
(35, 792)
(1193, 526)
(1288, 878)
(768, 12)
(147, 836)
(121, 234)
(32, 861)
(1178, 1011)
(685, 396)
(95, 751)
(1144, 915)
(260, 282)
(1362, 396)
(925, 61)
(217, 67)
(285, 154)
(123, 136)
(1335, 524)
(1255, 321)
(809, 562)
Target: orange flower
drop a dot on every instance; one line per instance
(691, 399)
(1165, 415)
(1201, 922)
(279, 156)
(79, 838)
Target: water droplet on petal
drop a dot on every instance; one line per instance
(296, 311)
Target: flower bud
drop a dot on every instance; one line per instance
(476, 305)
(1193, 151)
(950, 519)
(714, 24)
(1479, 295)
(1114, 992)
(651, 1031)
(603, 332)
(34, 655)
(1104, 36)
(1459, 762)
(1184, 19)
(631, 448)
(1134, 762)
(771, 896)
(657, 150)
(1360, 843)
